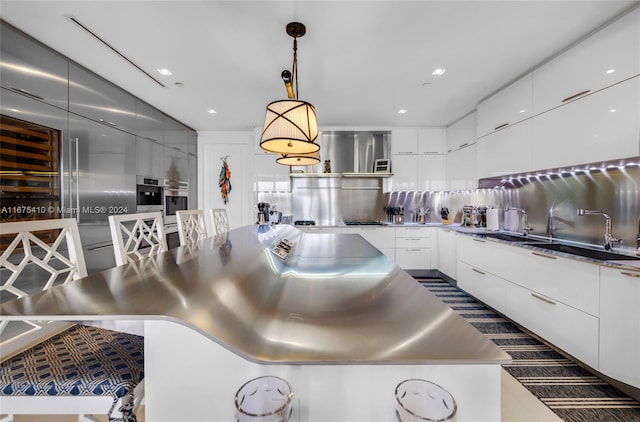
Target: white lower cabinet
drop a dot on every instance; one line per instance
(313, 229)
(414, 247)
(447, 259)
(383, 238)
(555, 297)
(572, 282)
(484, 286)
(413, 258)
(570, 329)
(620, 324)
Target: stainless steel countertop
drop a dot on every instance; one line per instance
(335, 300)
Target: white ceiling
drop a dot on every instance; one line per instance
(359, 63)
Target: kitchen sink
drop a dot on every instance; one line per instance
(508, 237)
(585, 252)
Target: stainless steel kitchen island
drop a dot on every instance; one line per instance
(336, 318)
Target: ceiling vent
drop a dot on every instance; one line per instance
(94, 35)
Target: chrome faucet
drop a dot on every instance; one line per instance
(609, 239)
(525, 229)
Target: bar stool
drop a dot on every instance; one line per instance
(44, 364)
(191, 226)
(144, 234)
(219, 220)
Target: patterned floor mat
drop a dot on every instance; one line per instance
(569, 390)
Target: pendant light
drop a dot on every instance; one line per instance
(299, 159)
(290, 126)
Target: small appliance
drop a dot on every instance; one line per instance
(263, 213)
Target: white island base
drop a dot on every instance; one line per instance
(189, 377)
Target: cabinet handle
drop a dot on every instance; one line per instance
(27, 93)
(543, 255)
(478, 271)
(501, 126)
(636, 275)
(463, 145)
(106, 122)
(571, 97)
(413, 250)
(479, 240)
(430, 153)
(404, 152)
(544, 299)
(77, 142)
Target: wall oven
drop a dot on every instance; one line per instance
(176, 198)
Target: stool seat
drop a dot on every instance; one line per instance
(80, 361)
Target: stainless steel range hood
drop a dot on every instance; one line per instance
(355, 151)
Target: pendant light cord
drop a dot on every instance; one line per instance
(295, 64)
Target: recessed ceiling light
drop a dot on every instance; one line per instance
(164, 72)
(402, 111)
(438, 72)
(610, 71)
(211, 111)
(613, 110)
(523, 111)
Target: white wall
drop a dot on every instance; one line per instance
(238, 146)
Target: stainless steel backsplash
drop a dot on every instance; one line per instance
(551, 201)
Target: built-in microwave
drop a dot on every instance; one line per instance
(149, 194)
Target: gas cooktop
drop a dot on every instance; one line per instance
(304, 223)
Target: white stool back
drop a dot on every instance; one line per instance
(219, 220)
(137, 236)
(32, 265)
(191, 226)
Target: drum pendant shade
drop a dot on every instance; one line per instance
(299, 159)
(290, 127)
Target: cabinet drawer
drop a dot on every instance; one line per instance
(413, 258)
(569, 329)
(320, 229)
(413, 242)
(574, 283)
(380, 237)
(414, 231)
(482, 285)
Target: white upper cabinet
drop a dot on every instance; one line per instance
(405, 172)
(607, 57)
(404, 140)
(460, 168)
(461, 134)
(507, 107)
(417, 140)
(431, 172)
(599, 127)
(506, 151)
(431, 140)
